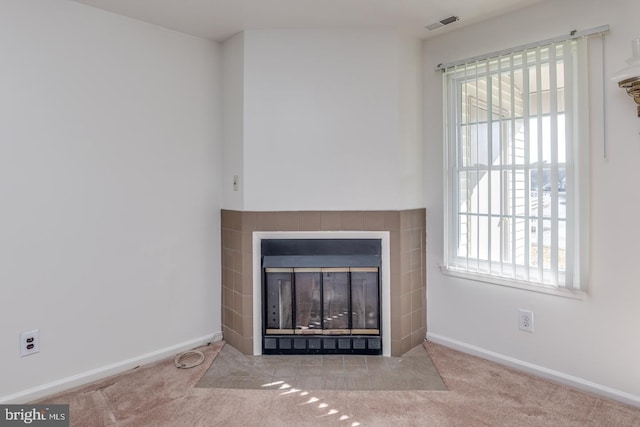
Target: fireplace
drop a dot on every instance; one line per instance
(321, 296)
(402, 274)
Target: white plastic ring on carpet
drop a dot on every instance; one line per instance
(180, 365)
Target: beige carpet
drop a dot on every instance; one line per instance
(412, 371)
(480, 393)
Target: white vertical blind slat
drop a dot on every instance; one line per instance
(512, 98)
(571, 184)
(540, 174)
(527, 145)
(489, 154)
(553, 116)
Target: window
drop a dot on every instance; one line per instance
(516, 208)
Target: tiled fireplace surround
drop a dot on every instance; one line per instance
(407, 237)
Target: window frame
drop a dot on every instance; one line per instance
(575, 283)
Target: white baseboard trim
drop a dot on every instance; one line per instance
(86, 377)
(540, 371)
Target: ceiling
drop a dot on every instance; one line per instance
(219, 19)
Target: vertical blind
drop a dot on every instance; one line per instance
(515, 163)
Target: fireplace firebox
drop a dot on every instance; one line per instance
(321, 296)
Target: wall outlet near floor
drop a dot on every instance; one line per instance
(29, 342)
(525, 320)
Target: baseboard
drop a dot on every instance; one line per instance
(86, 377)
(540, 371)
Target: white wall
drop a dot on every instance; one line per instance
(109, 192)
(233, 120)
(593, 343)
(410, 123)
(322, 125)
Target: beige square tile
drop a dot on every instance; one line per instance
(226, 238)
(227, 259)
(237, 282)
(351, 361)
(394, 249)
(227, 297)
(236, 240)
(237, 302)
(415, 260)
(247, 304)
(246, 344)
(396, 306)
(309, 221)
(333, 382)
(405, 326)
(231, 337)
(382, 382)
(266, 221)
(417, 281)
(357, 382)
(286, 371)
(330, 221)
(333, 360)
(392, 220)
(246, 243)
(237, 321)
(227, 278)
(247, 325)
(237, 261)
(227, 316)
(418, 217)
(288, 221)
(396, 348)
(311, 361)
(248, 221)
(417, 337)
(231, 219)
(396, 328)
(310, 371)
(247, 285)
(417, 320)
(247, 264)
(405, 240)
(406, 344)
(405, 262)
(405, 304)
(417, 300)
(405, 282)
(405, 220)
(352, 220)
(373, 220)
(309, 382)
(414, 238)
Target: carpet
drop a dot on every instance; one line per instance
(480, 393)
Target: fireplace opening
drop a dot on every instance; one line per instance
(321, 296)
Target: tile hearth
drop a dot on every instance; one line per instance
(413, 371)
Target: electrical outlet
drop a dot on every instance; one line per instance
(526, 320)
(29, 342)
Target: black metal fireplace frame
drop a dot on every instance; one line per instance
(321, 253)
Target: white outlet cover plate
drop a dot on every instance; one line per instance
(25, 338)
(525, 320)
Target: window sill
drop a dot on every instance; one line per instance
(512, 283)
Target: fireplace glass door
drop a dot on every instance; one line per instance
(321, 296)
(322, 301)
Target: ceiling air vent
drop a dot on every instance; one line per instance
(445, 21)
